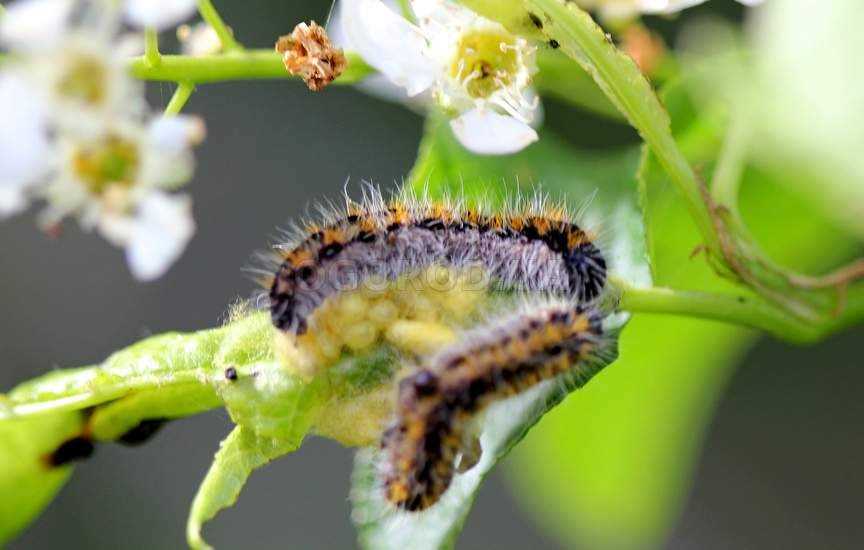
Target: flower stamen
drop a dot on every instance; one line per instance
(84, 81)
(107, 163)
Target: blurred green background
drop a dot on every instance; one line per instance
(780, 467)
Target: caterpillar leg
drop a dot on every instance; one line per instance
(239, 455)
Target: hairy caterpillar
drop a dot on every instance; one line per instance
(436, 402)
(532, 247)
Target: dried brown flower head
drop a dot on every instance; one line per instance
(308, 53)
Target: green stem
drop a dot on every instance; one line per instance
(740, 310)
(151, 48)
(181, 96)
(245, 65)
(730, 167)
(407, 12)
(211, 16)
(618, 76)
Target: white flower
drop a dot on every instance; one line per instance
(158, 14)
(474, 67)
(89, 86)
(109, 183)
(80, 69)
(73, 131)
(35, 25)
(25, 150)
(629, 8)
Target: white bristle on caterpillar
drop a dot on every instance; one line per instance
(530, 245)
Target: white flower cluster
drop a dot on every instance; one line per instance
(78, 135)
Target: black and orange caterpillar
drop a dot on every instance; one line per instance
(532, 247)
(436, 403)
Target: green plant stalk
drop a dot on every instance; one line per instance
(245, 65)
(725, 187)
(151, 48)
(405, 9)
(181, 96)
(730, 167)
(211, 17)
(740, 310)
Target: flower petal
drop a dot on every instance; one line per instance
(389, 43)
(12, 201)
(486, 132)
(34, 25)
(160, 233)
(176, 133)
(25, 151)
(159, 14)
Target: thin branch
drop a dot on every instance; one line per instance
(730, 167)
(181, 96)
(151, 48)
(740, 310)
(211, 16)
(245, 65)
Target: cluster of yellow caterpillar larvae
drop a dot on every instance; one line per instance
(415, 313)
(436, 403)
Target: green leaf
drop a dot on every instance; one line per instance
(603, 183)
(560, 77)
(273, 413)
(165, 376)
(611, 466)
(169, 359)
(27, 482)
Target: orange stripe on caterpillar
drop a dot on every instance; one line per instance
(436, 402)
(536, 248)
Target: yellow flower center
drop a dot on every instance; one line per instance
(105, 163)
(84, 81)
(486, 60)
